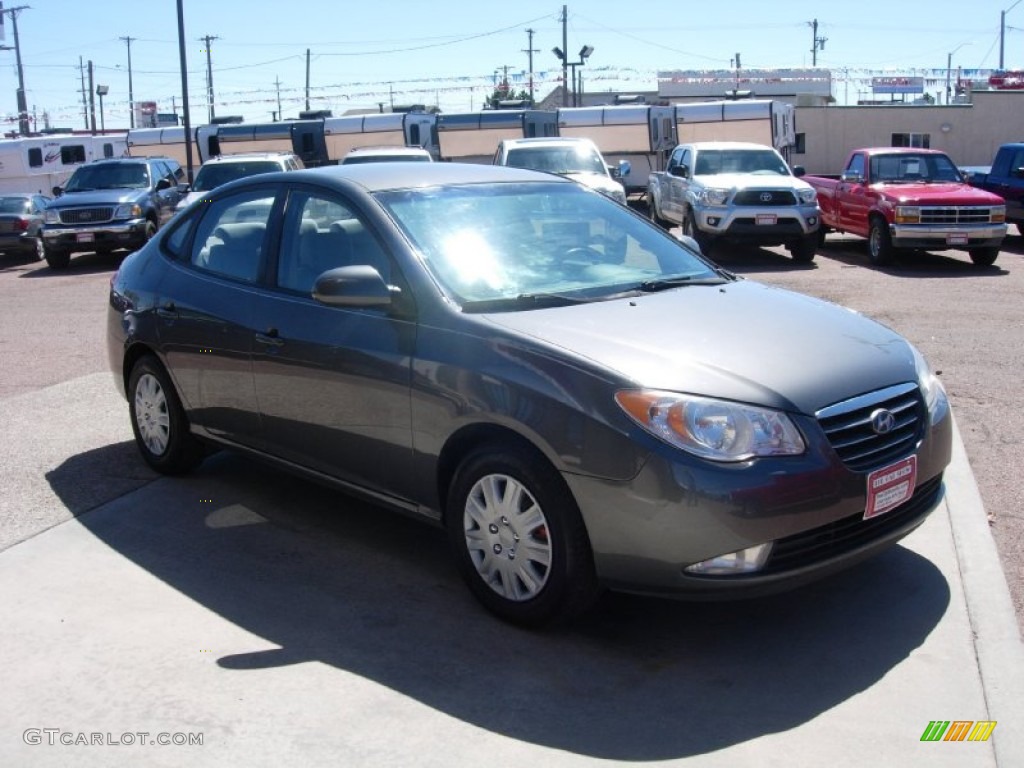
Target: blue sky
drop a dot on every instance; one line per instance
(448, 52)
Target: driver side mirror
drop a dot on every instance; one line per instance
(682, 171)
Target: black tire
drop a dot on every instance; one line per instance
(38, 249)
(984, 257)
(690, 229)
(57, 259)
(822, 233)
(558, 582)
(159, 421)
(803, 250)
(652, 212)
(880, 250)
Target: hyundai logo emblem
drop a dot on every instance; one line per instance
(766, 197)
(882, 421)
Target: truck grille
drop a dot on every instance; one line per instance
(848, 426)
(86, 215)
(764, 197)
(956, 214)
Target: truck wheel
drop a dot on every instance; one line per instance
(984, 257)
(652, 211)
(690, 229)
(57, 259)
(879, 243)
(803, 250)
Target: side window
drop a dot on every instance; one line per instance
(178, 171)
(685, 158)
(230, 236)
(856, 164)
(414, 134)
(72, 155)
(35, 158)
(800, 147)
(176, 240)
(108, 150)
(323, 233)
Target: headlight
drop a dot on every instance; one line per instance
(51, 217)
(807, 195)
(998, 214)
(931, 387)
(908, 214)
(713, 196)
(128, 211)
(712, 429)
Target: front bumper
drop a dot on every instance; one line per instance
(114, 234)
(678, 512)
(947, 236)
(764, 226)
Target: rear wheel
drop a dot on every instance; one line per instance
(984, 257)
(518, 537)
(880, 249)
(652, 211)
(159, 421)
(37, 249)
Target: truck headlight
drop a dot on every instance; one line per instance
(998, 214)
(51, 216)
(128, 211)
(712, 429)
(908, 214)
(807, 196)
(713, 196)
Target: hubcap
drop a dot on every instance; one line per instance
(151, 414)
(507, 537)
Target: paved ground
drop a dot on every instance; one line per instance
(287, 624)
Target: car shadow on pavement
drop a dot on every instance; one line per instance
(331, 579)
(915, 264)
(81, 264)
(745, 259)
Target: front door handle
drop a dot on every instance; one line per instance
(271, 338)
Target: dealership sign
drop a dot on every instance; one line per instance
(897, 84)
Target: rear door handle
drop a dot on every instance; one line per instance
(270, 338)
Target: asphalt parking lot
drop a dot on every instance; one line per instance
(285, 623)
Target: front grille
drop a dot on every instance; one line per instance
(956, 214)
(86, 215)
(764, 197)
(849, 429)
(851, 533)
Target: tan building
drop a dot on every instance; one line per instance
(968, 133)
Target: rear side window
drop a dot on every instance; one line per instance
(230, 237)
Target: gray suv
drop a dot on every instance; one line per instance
(110, 204)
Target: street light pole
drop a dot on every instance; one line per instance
(101, 91)
(949, 70)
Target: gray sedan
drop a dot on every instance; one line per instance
(579, 398)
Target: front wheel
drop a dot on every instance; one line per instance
(159, 421)
(803, 250)
(57, 259)
(984, 257)
(519, 538)
(691, 230)
(880, 249)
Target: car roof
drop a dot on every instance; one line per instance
(728, 145)
(241, 157)
(377, 177)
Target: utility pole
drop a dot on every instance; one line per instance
(817, 43)
(565, 57)
(530, 50)
(183, 66)
(209, 74)
(307, 79)
(20, 95)
(85, 104)
(92, 102)
(1002, 32)
(277, 85)
(131, 95)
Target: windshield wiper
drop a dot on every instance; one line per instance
(525, 301)
(651, 286)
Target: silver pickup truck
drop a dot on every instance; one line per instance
(735, 191)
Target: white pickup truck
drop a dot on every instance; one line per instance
(735, 191)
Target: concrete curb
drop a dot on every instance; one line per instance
(997, 641)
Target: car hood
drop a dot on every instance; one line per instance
(742, 341)
(751, 181)
(937, 193)
(596, 181)
(98, 197)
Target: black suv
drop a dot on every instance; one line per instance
(110, 204)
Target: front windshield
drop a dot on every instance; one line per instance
(760, 161)
(112, 176)
(561, 160)
(516, 245)
(213, 175)
(913, 168)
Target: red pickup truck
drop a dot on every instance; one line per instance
(906, 198)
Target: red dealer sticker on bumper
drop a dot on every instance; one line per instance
(890, 486)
